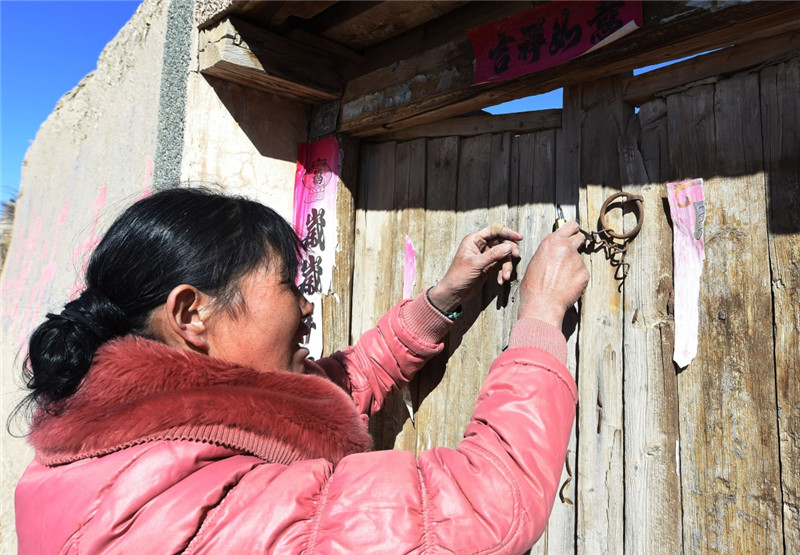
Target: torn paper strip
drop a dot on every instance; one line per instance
(409, 279)
(314, 221)
(687, 207)
(409, 268)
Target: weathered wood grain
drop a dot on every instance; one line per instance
(237, 51)
(703, 461)
(438, 83)
(409, 206)
(466, 126)
(600, 511)
(496, 297)
(780, 111)
(536, 208)
(360, 24)
(736, 58)
(336, 308)
(439, 246)
(729, 451)
(560, 536)
(467, 365)
(652, 481)
(375, 273)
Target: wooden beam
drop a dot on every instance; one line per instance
(439, 31)
(321, 43)
(439, 83)
(526, 122)
(641, 88)
(302, 10)
(239, 52)
(362, 24)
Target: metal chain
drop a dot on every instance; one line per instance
(615, 251)
(614, 244)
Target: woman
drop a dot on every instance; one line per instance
(177, 412)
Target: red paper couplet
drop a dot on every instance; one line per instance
(549, 35)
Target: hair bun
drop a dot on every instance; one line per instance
(95, 312)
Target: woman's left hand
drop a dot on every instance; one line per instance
(492, 249)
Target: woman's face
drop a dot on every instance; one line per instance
(267, 329)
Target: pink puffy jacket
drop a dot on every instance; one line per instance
(167, 494)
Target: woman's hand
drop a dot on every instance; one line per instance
(492, 249)
(555, 278)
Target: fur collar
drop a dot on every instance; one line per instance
(140, 390)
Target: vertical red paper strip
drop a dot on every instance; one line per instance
(314, 221)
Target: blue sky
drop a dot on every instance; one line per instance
(46, 48)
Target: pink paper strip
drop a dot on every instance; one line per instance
(688, 211)
(409, 269)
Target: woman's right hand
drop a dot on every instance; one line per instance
(555, 277)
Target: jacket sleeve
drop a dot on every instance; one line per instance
(493, 494)
(386, 357)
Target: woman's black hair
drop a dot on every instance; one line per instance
(176, 236)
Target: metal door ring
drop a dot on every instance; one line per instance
(638, 203)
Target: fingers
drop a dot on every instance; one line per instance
(504, 274)
(499, 256)
(572, 231)
(497, 245)
(555, 277)
(497, 231)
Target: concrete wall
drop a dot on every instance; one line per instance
(244, 140)
(144, 120)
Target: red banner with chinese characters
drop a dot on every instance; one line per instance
(549, 35)
(315, 189)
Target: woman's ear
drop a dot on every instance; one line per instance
(184, 323)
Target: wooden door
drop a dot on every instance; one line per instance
(435, 191)
(703, 460)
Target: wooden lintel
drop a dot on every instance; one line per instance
(739, 57)
(302, 10)
(467, 126)
(237, 51)
(438, 84)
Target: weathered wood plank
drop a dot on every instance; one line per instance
(374, 22)
(736, 58)
(408, 205)
(467, 126)
(440, 244)
(652, 483)
(336, 308)
(600, 516)
(729, 451)
(417, 231)
(468, 365)
(366, 164)
(302, 10)
(237, 51)
(499, 211)
(780, 109)
(536, 208)
(439, 31)
(527, 214)
(561, 527)
(374, 251)
(393, 417)
(438, 83)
